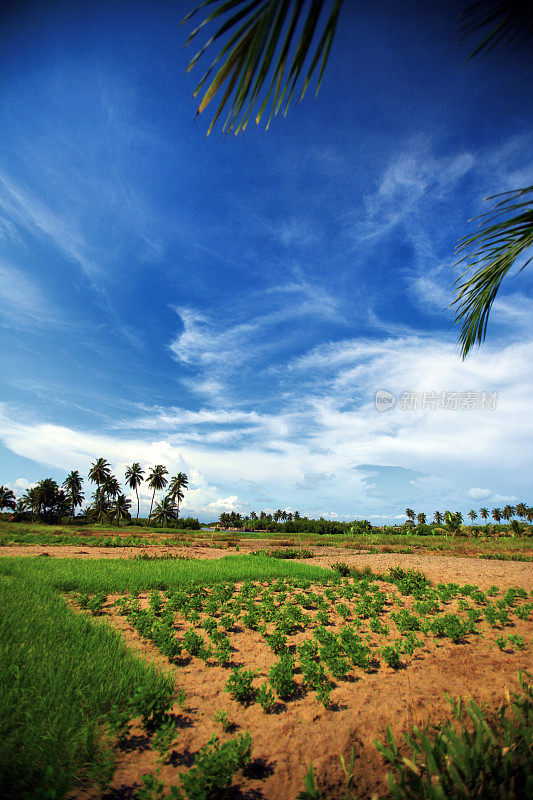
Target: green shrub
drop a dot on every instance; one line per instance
(265, 697)
(281, 677)
(391, 656)
(239, 684)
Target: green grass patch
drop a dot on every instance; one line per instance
(60, 673)
(129, 575)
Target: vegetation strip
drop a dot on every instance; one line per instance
(61, 673)
(121, 575)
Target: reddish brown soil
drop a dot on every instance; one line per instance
(303, 731)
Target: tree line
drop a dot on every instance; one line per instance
(50, 502)
(289, 522)
(521, 510)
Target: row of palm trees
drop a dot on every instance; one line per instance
(108, 500)
(521, 510)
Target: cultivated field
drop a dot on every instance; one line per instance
(286, 662)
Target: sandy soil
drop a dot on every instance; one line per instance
(482, 572)
(303, 731)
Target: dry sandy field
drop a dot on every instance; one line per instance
(301, 730)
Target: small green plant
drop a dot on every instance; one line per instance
(391, 656)
(152, 789)
(155, 601)
(152, 704)
(405, 621)
(517, 641)
(193, 643)
(214, 767)
(377, 626)
(311, 790)
(450, 626)
(277, 642)
(96, 603)
(266, 698)
(222, 717)
(239, 684)
(163, 738)
(117, 720)
(501, 641)
(281, 677)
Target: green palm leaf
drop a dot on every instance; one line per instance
(491, 252)
(503, 22)
(261, 62)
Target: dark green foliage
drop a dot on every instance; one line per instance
(405, 621)
(277, 642)
(391, 656)
(409, 581)
(239, 684)
(450, 626)
(214, 767)
(281, 677)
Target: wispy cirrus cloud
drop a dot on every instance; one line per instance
(23, 303)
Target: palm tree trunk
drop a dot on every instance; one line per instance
(137, 493)
(177, 513)
(151, 506)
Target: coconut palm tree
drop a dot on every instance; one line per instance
(111, 487)
(483, 513)
(438, 519)
(421, 518)
(100, 507)
(120, 508)
(263, 62)
(473, 515)
(529, 515)
(99, 472)
(176, 488)
(164, 512)
(156, 480)
(520, 510)
(7, 499)
(410, 514)
(134, 478)
(508, 513)
(496, 514)
(73, 484)
(31, 501)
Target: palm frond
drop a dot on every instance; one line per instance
(502, 22)
(262, 61)
(491, 252)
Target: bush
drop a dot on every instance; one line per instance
(281, 679)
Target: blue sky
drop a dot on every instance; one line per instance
(230, 306)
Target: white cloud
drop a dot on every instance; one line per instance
(330, 428)
(479, 494)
